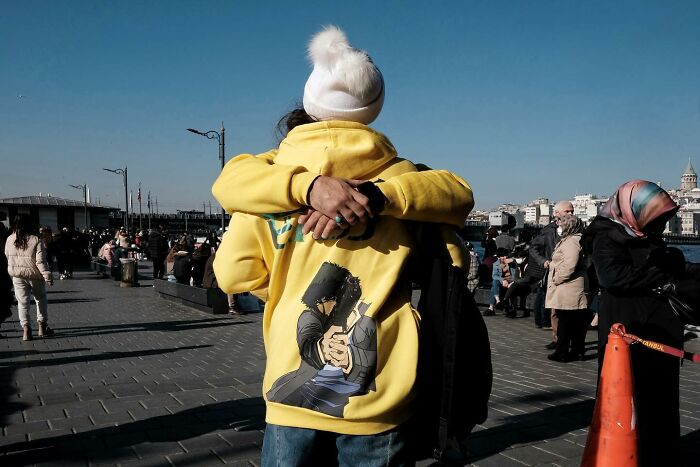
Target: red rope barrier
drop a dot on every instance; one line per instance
(619, 329)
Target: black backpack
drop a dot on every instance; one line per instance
(454, 364)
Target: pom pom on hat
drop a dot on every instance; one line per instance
(344, 84)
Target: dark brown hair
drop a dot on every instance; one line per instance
(23, 229)
(293, 119)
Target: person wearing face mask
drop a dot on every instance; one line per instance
(541, 250)
(530, 276)
(566, 291)
(630, 260)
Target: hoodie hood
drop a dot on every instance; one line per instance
(338, 148)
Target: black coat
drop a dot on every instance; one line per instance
(157, 244)
(626, 277)
(542, 246)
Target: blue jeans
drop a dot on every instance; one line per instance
(495, 291)
(285, 446)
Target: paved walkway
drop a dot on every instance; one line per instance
(132, 379)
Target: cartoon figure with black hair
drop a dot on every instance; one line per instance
(337, 344)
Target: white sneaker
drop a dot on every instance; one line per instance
(62, 276)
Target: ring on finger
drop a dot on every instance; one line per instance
(339, 219)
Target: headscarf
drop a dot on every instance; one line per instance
(570, 225)
(636, 204)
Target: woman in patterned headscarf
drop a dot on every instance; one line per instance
(630, 260)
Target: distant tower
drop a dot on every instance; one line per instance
(689, 179)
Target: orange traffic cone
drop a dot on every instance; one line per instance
(612, 437)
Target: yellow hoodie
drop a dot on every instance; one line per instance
(340, 334)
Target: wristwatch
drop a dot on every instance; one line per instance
(377, 200)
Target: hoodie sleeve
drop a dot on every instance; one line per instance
(239, 266)
(428, 196)
(255, 185)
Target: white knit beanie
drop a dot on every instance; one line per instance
(344, 84)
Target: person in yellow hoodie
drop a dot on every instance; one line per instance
(340, 334)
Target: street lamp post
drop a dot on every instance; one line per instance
(220, 137)
(84, 188)
(123, 173)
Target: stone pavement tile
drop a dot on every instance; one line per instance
(191, 383)
(239, 438)
(12, 439)
(111, 418)
(56, 432)
(251, 390)
(128, 389)
(124, 439)
(561, 447)
(122, 404)
(192, 398)
(149, 450)
(157, 401)
(243, 452)
(197, 458)
(11, 418)
(112, 456)
(151, 462)
(44, 413)
(204, 442)
(573, 462)
(96, 394)
(497, 460)
(162, 388)
(158, 415)
(28, 427)
(79, 423)
(63, 463)
(79, 409)
(58, 398)
(531, 455)
(252, 462)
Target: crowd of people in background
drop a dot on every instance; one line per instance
(612, 271)
(31, 255)
(551, 267)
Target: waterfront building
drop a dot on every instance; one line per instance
(532, 214)
(56, 213)
(587, 206)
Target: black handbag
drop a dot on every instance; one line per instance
(684, 298)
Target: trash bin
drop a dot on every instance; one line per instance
(129, 272)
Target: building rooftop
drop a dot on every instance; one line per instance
(50, 201)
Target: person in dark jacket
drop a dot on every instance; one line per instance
(158, 250)
(630, 260)
(541, 250)
(530, 276)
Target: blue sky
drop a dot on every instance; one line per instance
(521, 98)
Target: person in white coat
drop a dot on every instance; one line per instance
(26, 259)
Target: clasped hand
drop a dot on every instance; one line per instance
(330, 197)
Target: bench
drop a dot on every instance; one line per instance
(115, 271)
(207, 300)
(101, 268)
